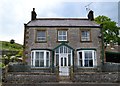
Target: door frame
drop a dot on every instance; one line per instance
(69, 54)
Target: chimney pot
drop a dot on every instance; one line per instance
(33, 14)
(91, 15)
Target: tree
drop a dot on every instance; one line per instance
(110, 30)
(12, 41)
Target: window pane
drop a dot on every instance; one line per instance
(36, 63)
(59, 38)
(32, 58)
(47, 59)
(61, 61)
(85, 35)
(69, 60)
(41, 35)
(61, 49)
(59, 32)
(57, 50)
(65, 61)
(47, 63)
(86, 55)
(86, 63)
(37, 55)
(41, 63)
(62, 35)
(80, 59)
(91, 63)
(64, 38)
(80, 55)
(41, 55)
(47, 55)
(80, 63)
(69, 50)
(57, 60)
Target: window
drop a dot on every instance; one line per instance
(40, 58)
(86, 58)
(85, 35)
(62, 35)
(67, 52)
(41, 35)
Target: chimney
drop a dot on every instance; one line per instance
(91, 15)
(33, 14)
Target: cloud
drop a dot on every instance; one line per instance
(14, 13)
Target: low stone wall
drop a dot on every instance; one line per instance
(109, 77)
(32, 77)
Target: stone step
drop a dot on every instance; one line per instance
(33, 78)
(64, 79)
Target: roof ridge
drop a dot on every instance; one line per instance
(62, 18)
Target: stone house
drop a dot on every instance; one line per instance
(62, 43)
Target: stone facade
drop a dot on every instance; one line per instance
(73, 40)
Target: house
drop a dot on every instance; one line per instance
(62, 43)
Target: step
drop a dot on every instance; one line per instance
(64, 79)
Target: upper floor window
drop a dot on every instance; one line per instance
(41, 36)
(85, 35)
(62, 35)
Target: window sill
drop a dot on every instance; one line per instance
(40, 41)
(85, 41)
(62, 41)
(37, 68)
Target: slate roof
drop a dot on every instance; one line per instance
(62, 22)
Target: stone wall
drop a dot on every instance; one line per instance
(73, 40)
(99, 77)
(27, 77)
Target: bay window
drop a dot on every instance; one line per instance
(86, 58)
(40, 58)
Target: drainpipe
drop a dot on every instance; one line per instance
(102, 39)
(52, 61)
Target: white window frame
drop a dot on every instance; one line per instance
(67, 51)
(62, 35)
(83, 58)
(33, 58)
(87, 36)
(39, 38)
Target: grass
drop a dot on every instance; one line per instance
(4, 45)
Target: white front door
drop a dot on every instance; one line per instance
(63, 65)
(63, 59)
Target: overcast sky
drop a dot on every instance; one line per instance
(14, 13)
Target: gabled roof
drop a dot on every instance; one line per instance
(62, 22)
(63, 44)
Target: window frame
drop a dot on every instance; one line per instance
(41, 41)
(94, 59)
(33, 58)
(88, 30)
(62, 35)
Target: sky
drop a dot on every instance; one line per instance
(15, 13)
